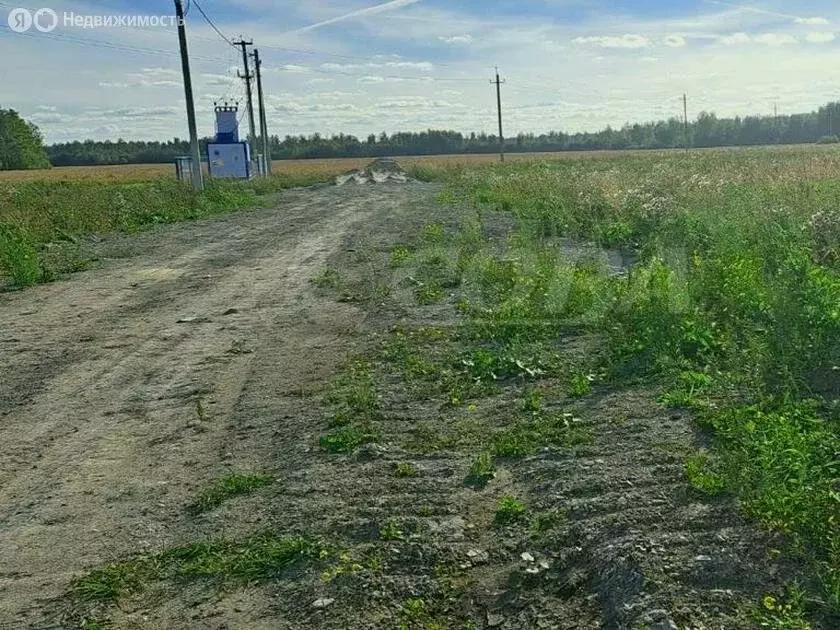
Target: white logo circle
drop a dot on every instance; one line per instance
(20, 20)
(45, 20)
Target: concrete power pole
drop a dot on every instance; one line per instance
(685, 120)
(263, 122)
(249, 94)
(498, 83)
(197, 179)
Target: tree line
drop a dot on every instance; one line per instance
(20, 141)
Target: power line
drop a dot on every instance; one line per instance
(105, 44)
(170, 53)
(211, 23)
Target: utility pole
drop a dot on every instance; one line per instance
(197, 179)
(498, 83)
(685, 119)
(263, 121)
(248, 78)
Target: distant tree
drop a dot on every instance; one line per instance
(21, 144)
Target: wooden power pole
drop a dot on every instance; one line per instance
(197, 179)
(263, 122)
(249, 94)
(498, 83)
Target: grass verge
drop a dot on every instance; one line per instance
(227, 488)
(34, 215)
(730, 298)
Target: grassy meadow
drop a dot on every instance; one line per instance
(731, 308)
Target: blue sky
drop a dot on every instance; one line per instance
(366, 66)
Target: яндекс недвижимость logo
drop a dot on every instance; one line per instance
(44, 20)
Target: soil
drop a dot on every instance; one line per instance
(204, 348)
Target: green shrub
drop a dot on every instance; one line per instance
(509, 510)
(18, 257)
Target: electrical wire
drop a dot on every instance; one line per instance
(106, 44)
(211, 23)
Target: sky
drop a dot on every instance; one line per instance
(368, 66)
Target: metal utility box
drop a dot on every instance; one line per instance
(183, 168)
(232, 161)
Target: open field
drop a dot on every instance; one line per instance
(567, 393)
(146, 172)
(332, 167)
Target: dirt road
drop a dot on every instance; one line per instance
(203, 349)
(119, 385)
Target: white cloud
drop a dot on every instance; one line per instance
(135, 112)
(768, 39)
(379, 8)
(457, 39)
(776, 39)
(424, 66)
(289, 67)
(736, 39)
(218, 80)
(675, 41)
(158, 72)
(821, 37)
(813, 21)
(625, 41)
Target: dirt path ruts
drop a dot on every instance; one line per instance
(113, 413)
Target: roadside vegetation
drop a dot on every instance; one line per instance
(228, 488)
(731, 308)
(725, 303)
(44, 223)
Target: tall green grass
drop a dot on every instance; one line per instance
(733, 303)
(35, 214)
